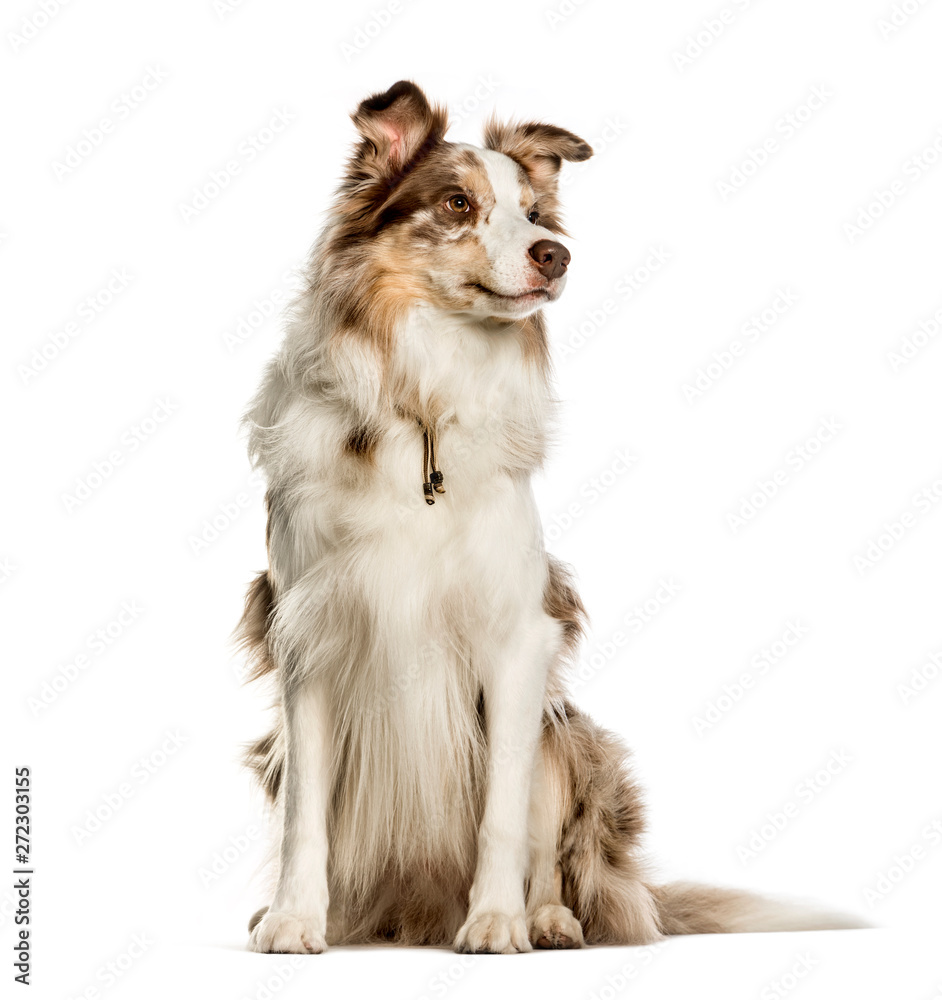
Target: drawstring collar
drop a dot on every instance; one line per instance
(432, 476)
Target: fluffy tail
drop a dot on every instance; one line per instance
(688, 908)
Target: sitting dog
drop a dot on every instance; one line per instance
(431, 780)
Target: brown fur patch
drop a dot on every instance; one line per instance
(396, 129)
(536, 343)
(361, 443)
(252, 630)
(562, 602)
(266, 758)
(372, 299)
(601, 826)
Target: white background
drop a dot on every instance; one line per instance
(182, 329)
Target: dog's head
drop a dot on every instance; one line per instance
(468, 229)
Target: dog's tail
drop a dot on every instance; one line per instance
(689, 908)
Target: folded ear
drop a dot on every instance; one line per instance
(395, 127)
(540, 149)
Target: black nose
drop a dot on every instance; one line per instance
(551, 258)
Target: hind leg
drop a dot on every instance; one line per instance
(550, 923)
(603, 878)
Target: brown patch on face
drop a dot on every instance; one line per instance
(410, 247)
(417, 211)
(382, 254)
(540, 150)
(562, 602)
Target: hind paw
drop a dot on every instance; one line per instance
(554, 926)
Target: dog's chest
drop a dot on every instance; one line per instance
(486, 405)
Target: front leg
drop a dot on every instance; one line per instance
(514, 689)
(296, 922)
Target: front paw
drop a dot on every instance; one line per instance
(493, 933)
(288, 933)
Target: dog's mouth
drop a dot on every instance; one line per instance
(532, 295)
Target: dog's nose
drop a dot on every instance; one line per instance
(551, 258)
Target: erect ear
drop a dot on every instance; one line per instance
(540, 149)
(395, 127)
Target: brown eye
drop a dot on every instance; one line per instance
(533, 217)
(458, 203)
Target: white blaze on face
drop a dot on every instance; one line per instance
(506, 233)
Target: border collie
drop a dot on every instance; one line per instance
(430, 778)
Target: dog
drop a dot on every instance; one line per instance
(432, 782)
